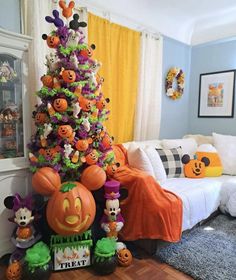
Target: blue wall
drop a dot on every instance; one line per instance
(10, 15)
(174, 115)
(212, 57)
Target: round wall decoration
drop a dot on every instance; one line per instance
(178, 74)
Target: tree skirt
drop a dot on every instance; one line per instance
(207, 252)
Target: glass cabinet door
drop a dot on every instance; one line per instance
(11, 118)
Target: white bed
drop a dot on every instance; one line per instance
(201, 197)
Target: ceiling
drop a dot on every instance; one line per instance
(189, 21)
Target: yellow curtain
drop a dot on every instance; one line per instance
(118, 48)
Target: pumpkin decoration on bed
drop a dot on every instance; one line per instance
(93, 177)
(71, 207)
(124, 257)
(14, 271)
(194, 168)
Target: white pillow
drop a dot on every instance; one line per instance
(206, 148)
(226, 147)
(200, 139)
(188, 145)
(157, 165)
(142, 144)
(137, 158)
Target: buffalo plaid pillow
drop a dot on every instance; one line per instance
(172, 163)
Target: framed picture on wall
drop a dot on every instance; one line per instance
(216, 95)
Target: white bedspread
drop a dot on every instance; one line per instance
(201, 197)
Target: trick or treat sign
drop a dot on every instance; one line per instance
(68, 254)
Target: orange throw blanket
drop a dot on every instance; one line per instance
(149, 211)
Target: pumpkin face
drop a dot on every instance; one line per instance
(92, 157)
(50, 152)
(101, 104)
(65, 131)
(106, 142)
(93, 177)
(60, 104)
(47, 81)
(41, 118)
(86, 104)
(71, 209)
(111, 169)
(68, 76)
(83, 144)
(14, 271)
(124, 257)
(194, 168)
(53, 41)
(45, 181)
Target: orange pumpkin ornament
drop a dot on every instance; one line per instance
(45, 181)
(194, 168)
(65, 131)
(52, 41)
(92, 157)
(60, 104)
(14, 271)
(83, 144)
(71, 209)
(124, 257)
(41, 118)
(112, 168)
(47, 81)
(68, 76)
(93, 177)
(86, 104)
(88, 52)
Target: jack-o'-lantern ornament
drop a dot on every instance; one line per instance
(47, 81)
(106, 142)
(83, 144)
(71, 209)
(124, 257)
(50, 152)
(60, 104)
(66, 132)
(101, 104)
(52, 41)
(112, 168)
(41, 118)
(86, 104)
(88, 52)
(194, 168)
(68, 76)
(14, 271)
(92, 157)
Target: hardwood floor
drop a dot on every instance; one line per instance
(146, 268)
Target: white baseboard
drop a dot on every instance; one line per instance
(6, 247)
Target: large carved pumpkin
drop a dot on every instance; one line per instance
(71, 209)
(93, 177)
(45, 181)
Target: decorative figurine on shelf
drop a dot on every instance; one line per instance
(6, 72)
(112, 220)
(25, 235)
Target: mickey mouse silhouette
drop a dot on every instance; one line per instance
(66, 11)
(56, 20)
(75, 24)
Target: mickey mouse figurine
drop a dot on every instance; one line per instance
(23, 209)
(112, 220)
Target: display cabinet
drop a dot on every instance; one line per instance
(15, 108)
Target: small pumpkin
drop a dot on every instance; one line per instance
(112, 168)
(47, 81)
(60, 104)
(41, 118)
(83, 144)
(14, 271)
(71, 209)
(124, 257)
(88, 52)
(65, 131)
(45, 181)
(93, 177)
(86, 104)
(92, 157)
(106, 142)
(52, 41)
(68, 76)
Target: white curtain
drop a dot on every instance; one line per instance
(148, 109)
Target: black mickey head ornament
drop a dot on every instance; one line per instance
(75, 24)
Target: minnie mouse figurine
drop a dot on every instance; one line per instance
(24, 236)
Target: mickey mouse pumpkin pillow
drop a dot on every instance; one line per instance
(194, 168)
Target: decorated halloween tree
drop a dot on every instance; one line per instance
(70, 135)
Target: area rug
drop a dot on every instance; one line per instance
(207, 252)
